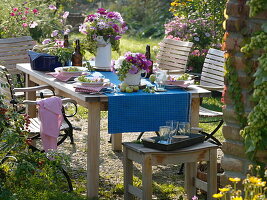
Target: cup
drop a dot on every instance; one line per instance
(184, 128)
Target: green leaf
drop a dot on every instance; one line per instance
(264, 27)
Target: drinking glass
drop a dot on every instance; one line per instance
(174, 126)
(164, 132)
(184, 128)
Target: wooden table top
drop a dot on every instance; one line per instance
(44, 78)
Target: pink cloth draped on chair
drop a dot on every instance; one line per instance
(50, 115)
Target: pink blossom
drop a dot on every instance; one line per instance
(91, 18)
(133, 70)
(194, 198)
(33, 24)
(54, 33)
(65, 15)
(27, 8)
(82, 29)
(12, 14)
(66, 32)
(24, 25)
(26, 12)
(35, 11)
(52, 7)
(117, 37)
(15, 9)
(102, 11)
(19, 13)
(46, 41)
(24, 18)
(59, 43)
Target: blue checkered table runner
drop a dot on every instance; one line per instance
(141, 111)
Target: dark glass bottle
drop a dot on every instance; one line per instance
(66, 41)
(148, 57)
(77, 56)
(66, 45)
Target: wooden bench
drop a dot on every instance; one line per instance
(148, 157)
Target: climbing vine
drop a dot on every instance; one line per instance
(234, 89)
(255, 133)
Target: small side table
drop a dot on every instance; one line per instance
(148, 157)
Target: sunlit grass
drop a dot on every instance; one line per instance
(126, 44)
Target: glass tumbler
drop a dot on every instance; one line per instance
(184, 128)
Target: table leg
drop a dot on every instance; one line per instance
(190, 175)
(147, 178)
(93, 149)
(128, 175)
(195, 112)
(30, 109)
(212, 174)
(116, 140)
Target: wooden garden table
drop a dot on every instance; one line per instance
(94, 104)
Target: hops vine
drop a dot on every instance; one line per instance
(255, 133)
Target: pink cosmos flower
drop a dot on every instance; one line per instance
(24, 18)
(33, 24)
(117, 37)
(35, 11)
(67, 31)
(59, 43)
(133, 70)
(102, 11)
(46, 41)
(15, 9)
(65, 15)
(19, 13)
(27, 8)
(82, 29)
(54, 33)
(12, 14)
(52, 7)
(24, 25)
(26, 12)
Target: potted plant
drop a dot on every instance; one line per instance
(130, 66)
(103, 30)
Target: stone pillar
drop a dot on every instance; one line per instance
(238, 28)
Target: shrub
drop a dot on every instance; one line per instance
(35, 18)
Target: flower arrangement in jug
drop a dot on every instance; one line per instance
(109, 25)
(131, 63)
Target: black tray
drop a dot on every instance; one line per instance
(152, 142)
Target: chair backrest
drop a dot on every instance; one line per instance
(173, 55)
(213, 69)
(14, 50)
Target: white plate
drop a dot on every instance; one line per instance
(95, 84)
(79, 71)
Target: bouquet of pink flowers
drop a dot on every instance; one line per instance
(131, 63)
(109, 25)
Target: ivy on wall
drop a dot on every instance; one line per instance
(254, 127)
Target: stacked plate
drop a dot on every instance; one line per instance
(92, 82)
(71, 70)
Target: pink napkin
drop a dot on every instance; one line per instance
(51, 118)
(88, 89)
(61, 76)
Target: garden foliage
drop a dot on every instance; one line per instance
(35, 18)
(199, 22)
(25, 174)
